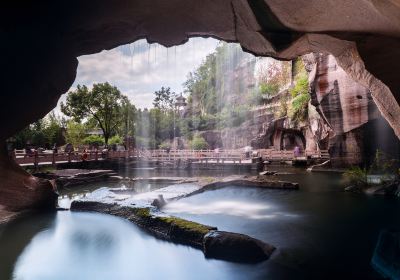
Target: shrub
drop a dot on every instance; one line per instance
(115, 140)
(198, 143)
(269, 89)
(283, 109)
(165, 146)
(299, 107)
(383, 164)
(94, 140)
(356, 177)
(301, 87)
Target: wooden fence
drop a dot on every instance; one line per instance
(164, 155)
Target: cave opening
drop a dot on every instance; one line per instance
(336, 111)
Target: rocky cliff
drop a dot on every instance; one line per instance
(339, 113)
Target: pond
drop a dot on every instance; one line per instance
(320, 231)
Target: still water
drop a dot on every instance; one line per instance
(320, 231)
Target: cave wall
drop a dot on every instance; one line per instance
(344, 105)
(42, 40)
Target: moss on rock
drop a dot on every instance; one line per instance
(187, 225)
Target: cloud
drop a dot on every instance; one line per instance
(139, 69)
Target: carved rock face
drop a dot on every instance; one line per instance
(344, 105)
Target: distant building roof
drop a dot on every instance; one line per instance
(95, 132)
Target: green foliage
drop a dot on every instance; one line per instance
(164, 99)
(232, 117)
(127, 122)
(116, 139)
(300, 97)
(75, 133)
(299, 107)
(283, 108)
(383, 164)
(198, 143)
(300, 88)
(299, 68)
(356, 176)
(146, 142)
(272, 79)
(165, 146)
(94, 140)
(103, 103)
(42, 133)
(269, 89)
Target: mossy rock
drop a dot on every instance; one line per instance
(186, 232)
(187, 225)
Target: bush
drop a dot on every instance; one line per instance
(356, 177)
(198, 143)
(165, 146)
(383, 164)
(94, 140)
(115, 140)
(301, 87)
(299, 107)
(282, 109)
(269, 89)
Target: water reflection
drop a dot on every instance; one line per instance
(95, 246)
(320, 231)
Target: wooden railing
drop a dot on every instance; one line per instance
(164, 155)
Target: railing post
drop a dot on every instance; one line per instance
(69, 157)
(36, 160)
(53, 162)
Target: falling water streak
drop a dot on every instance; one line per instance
(167, 66)
(174, 62)
(148, 56)
(155, 53)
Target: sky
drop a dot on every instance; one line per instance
(139, 69)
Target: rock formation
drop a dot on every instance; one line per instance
(42, 41)
(343, 104)
(338, 114)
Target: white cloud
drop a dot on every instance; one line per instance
(140, 69)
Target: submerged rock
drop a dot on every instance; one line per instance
(235, 247)
(159, 202)
(268, 173)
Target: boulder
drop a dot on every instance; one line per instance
(159, 202)
(267, 173)
(235, 247)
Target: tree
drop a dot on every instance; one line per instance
(95, 140)
(42, 133)
(76, 132)
(164, 99)
(198, 143)
(116, 139)
(103, 103)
